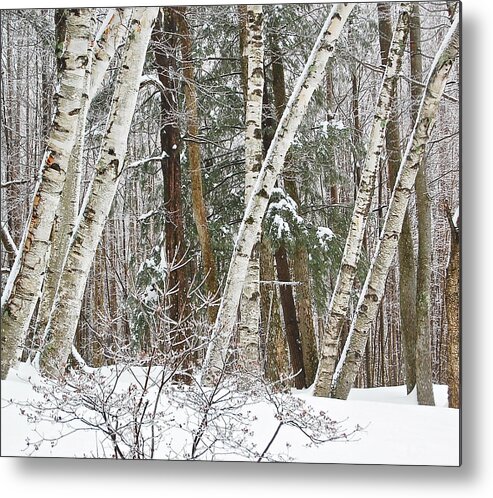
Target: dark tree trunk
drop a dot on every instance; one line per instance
(283, 274)
(166, 45)
(303, 296)
(290, 319)
(452, 303)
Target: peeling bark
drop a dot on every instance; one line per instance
(25, 281)
(100, 53)
(61, 328)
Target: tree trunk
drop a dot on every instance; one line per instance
(301, 273)
(424, 383)
(290, 320)
(166, 39)
(248, 354)
(374, 286)
(194, 161)
(109, 37)
(250, 227)
(407, 265)
(452, 303)
(61, 328)
(276, 364)
(26, 278)
(344, 284)
(289, 311)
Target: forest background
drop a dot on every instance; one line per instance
(474, 193)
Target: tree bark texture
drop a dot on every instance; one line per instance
(301, 273)
(374, 286)
(61, 328)
(276, 362)
(407, 265)
(309, 80)
(102, 50)
(166, 40)
(26, 279)
(352, 252)
(424, 382)
(248, 329)
(452, 303)
(195, 164)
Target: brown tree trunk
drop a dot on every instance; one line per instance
(276, 362)
(290, 319)
(283, 275)
(424, 382)
(301, 273)
(407, 265)
(166, 40)
(452, 303)
(194, 162)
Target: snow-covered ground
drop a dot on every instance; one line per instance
(395, 430)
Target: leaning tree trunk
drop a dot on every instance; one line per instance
(407, 265)
(61, 328)
(344, 284)
(452, 304)
(374, 286)
(289, 311)
(299, 262)
(26, 278)
(424, 383)
(248, 329)
(199, 209)
(217, 353)
(109, 37)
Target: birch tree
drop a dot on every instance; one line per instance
(62, 325)
(26, 279)
(313, 73)
(249, 359)
(407, 265)
(109, 37)
(374, 286)
(342, 290)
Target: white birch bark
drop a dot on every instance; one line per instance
(352, 251)
(62, 325)
(108, 39)
(26, 279)
(250, 227)
(249, 357)
(374, 286)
